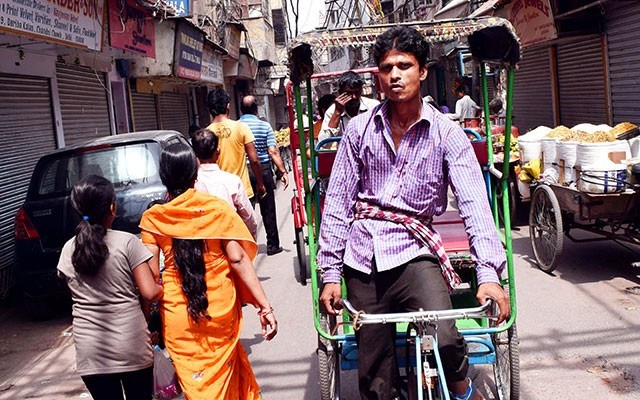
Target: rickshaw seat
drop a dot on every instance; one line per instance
(482, 153)
(451, 229)
(324, 162)
(325, 158)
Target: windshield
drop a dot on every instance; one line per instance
(123, 165)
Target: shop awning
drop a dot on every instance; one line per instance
(487, 9)
(455, 9)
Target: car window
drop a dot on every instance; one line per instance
(123, 165)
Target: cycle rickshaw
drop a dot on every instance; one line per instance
(490, 40)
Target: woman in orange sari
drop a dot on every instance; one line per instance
(208, 276)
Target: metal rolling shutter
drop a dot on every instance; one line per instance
(145, 117)
(581, 82)
(174, 112)
(533, 94)
(26, 123)
(623, 37)
(83, 103)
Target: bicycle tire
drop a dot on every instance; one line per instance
(546, 228)
(328, 361)
(301, 251)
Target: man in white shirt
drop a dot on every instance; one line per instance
(216, 182)
(465, 106)
(347, 105)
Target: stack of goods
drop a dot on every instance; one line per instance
(282, 137)
(588, 157)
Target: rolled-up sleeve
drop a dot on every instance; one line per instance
(470, 191)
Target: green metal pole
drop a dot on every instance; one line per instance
(487, 129)
(505, 191)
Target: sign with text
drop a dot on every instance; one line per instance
(188, 52)
(131, 28)
(181, 7)
(70, 22)
(212, 67)
(532, 19)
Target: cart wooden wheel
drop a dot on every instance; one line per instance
(545, 228)
(328, 361)
(302, 256)
(506, 369)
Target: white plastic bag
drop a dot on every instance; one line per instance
(165, 380)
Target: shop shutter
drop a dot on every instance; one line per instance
(26, 123)
(532, 92)
(174, 112)
(581, 82)
(623, 36)
(83, 103)
(145, 116)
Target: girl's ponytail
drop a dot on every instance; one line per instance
(92, 198)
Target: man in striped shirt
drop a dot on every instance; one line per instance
(389, 179)
(267, 149)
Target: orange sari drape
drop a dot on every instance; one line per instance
(209, 358)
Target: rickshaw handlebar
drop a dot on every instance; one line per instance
(417, 316)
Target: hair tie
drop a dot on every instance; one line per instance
(85, 218)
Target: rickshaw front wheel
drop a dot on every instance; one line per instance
(328, 361)
(545, 228)
(506, 369)
(302, 256)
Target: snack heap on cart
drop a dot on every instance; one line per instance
(589, 158)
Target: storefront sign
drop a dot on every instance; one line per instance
(212, 70)
(532, 19)
(188, 53)
(131, 28)
(71, 22)
(181, 7)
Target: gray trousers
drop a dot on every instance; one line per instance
(409, 287)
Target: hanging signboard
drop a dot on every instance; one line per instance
(72, 23)
(188, 52)
(180, 7)
(532, 20)
(131, 28)
(212, 67)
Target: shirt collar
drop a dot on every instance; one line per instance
(248, 116)
(427, 113)
(209, 167)
(363, 108)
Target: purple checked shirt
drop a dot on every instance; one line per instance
(432, 153)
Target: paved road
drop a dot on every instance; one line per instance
(579, 331)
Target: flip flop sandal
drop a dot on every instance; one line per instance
(468, 395)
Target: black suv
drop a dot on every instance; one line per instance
(47, 219)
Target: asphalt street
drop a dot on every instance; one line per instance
(578, 328)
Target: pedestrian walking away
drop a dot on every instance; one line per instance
(395, 163)
(236, 143)
(216, 182)
(208, 275)
(107, 272)
(268, 153)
